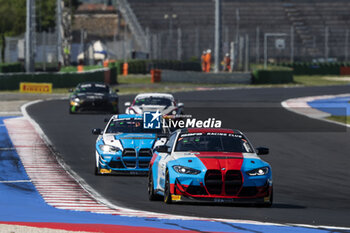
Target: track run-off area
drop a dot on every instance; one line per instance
(309, 159)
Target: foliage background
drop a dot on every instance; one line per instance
(13, 17)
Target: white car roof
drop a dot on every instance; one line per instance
(162, 95)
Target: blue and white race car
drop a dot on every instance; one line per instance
(125, 146)
(217, 165)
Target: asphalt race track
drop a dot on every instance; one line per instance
(310, 159)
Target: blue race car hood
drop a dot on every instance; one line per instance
(136, 140)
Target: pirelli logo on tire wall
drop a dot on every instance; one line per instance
(35, 87)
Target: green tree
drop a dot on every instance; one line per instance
(12, 20)
(13, 17)
(45, 15)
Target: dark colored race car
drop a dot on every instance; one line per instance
(93, 96)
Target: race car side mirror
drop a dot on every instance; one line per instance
(127, 104)
(162, 149)
(180, 105)
(96, 131)
(116, 90)
(262, 150)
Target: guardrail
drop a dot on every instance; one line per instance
(205, 78)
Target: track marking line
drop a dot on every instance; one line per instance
(15, 181)
(6, 149)
(14, 113)
(301, 107)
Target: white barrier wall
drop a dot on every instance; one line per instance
(205, 78)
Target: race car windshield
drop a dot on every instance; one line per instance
(95, 88)
(153, 101)
(213, 143)
(129, 126)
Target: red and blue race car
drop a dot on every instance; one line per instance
(218, 165)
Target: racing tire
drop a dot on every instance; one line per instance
(97, 171)
(152, 196)
(267, 204)
(167, 194)
(71, 111)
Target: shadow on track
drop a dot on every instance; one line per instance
(274, 206)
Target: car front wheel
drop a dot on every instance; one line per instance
(152, 196)
(70, 111)
(268, 203)
(167, 194)
(97, 170)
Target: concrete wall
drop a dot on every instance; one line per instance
(205, 78)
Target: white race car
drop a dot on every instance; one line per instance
(152, 102)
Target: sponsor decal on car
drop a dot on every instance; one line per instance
(105, 170)
(176, 197)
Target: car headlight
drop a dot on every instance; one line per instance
(258, 172)
(186, 170)
(131, 111)
(75, 101)
(109, 149)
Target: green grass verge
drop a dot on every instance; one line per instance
(146, 79)
(306, 80)
(67, 69)
(341, 119)
(269, 67)
(134, 79)
(142, 83)
(318, 80)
